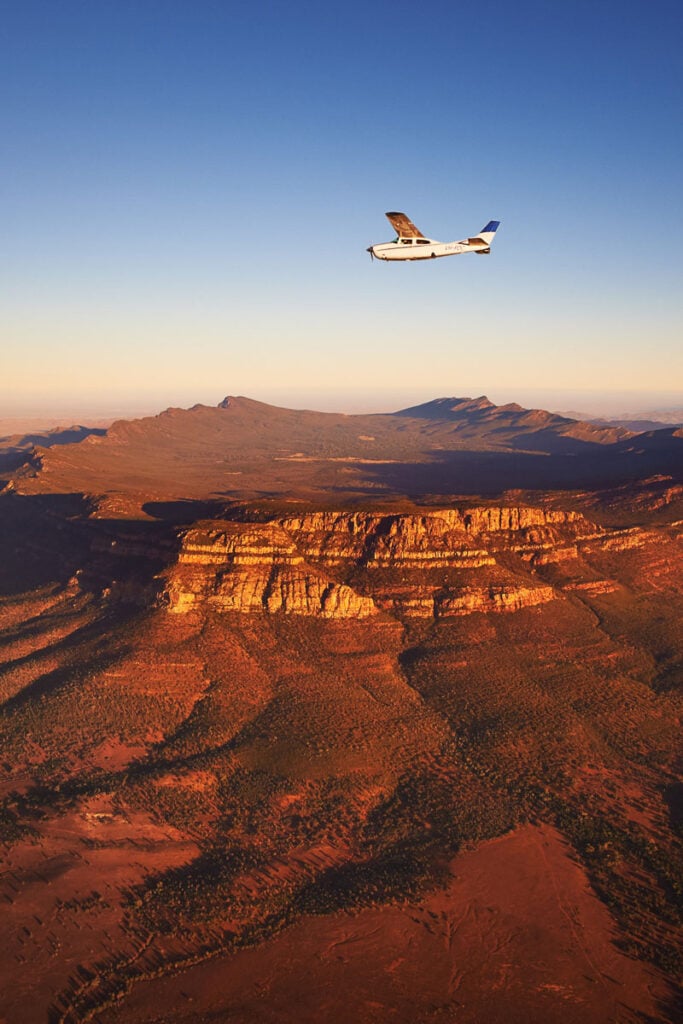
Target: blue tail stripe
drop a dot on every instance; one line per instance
(491, 226)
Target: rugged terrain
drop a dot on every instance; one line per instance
(325, 718)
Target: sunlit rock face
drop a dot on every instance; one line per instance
(256, 567)
(355, 564)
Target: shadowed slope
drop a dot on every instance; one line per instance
(18, 449)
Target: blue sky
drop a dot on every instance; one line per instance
(188, 189)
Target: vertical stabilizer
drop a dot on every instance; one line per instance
(486, 234)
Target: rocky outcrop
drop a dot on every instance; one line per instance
(622, 540)
(494, 599)
(423, 602)
(236, 544)
(432, 564)
(332, 564)
(457, 538)
(594, 588)
(256, 567)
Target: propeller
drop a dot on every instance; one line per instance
(372, 254)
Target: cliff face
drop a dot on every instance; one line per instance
(462, 538)
(256, 567)
(356, 564)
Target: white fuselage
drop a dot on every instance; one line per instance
(423, 249)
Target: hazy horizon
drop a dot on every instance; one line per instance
(95, 411)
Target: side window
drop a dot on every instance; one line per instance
(423, 241)
(406, 241)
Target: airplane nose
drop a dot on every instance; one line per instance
(371, 250)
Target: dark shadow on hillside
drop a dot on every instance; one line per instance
(49, 683)
(492, 473)
(18, 449)
(185, 510)
(673, 798)
(48, 438)
(39, 541)
(48, 540)
(548, 441)
(58, 615)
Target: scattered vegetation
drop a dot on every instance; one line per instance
(321, 767)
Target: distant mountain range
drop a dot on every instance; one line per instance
(512, 424)
(17, 448)
(243, 450)
(652, 419)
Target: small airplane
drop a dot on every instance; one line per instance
(411, 244)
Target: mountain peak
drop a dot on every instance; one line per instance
(445, 408)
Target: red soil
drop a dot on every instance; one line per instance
(518, 936)
(61, 899)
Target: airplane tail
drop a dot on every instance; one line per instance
(486, 236)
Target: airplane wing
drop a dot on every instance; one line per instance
(403, 226)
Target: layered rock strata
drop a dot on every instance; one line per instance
(460, 538)
(256, 567)
(344, 565)
(356, 564)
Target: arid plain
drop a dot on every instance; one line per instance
(321, 718)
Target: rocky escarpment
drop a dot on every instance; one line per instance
(256, 567)
(458, 538)
(356, 564)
